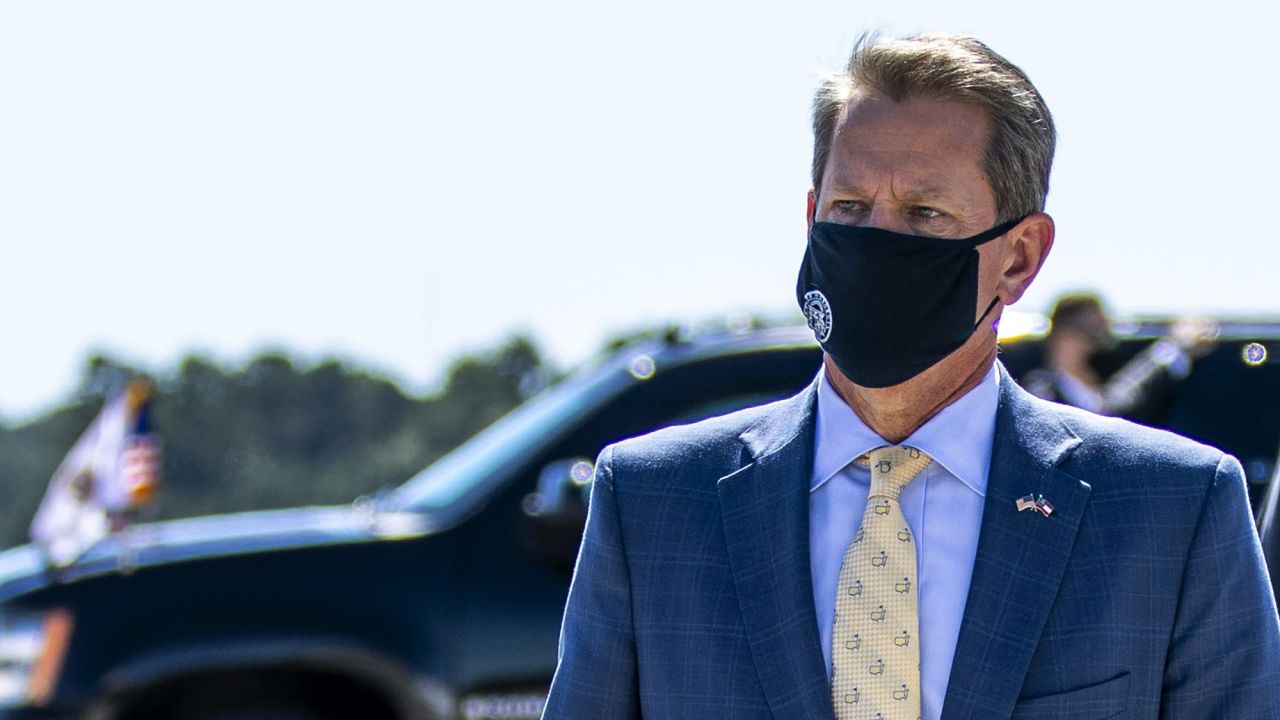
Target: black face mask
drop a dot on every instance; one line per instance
(887, 306)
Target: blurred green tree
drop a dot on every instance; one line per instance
(272, 434)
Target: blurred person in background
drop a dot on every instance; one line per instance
(1080, 333)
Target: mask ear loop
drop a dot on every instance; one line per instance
(994, 300)
(987, 237)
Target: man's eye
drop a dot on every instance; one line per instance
(847, 205)
(927, 213)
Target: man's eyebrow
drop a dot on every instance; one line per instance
(923, 193)
(846, 188)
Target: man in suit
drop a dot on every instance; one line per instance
(913, 535)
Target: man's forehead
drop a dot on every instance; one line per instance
(908, 177)
(924, 146)
(847, 180)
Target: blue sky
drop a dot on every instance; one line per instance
(397, 183)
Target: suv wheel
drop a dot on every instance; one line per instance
(256, 713)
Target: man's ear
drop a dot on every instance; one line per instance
(1026, 247)
(812, 206)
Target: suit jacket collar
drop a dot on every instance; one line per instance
(1020, 560)
(1021, 556)
(764, 509)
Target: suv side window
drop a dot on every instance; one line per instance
(696, 390)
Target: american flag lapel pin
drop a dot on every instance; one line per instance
(1035, 502)
(1044, 506)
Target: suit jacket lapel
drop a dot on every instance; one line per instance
(1020, 560)
(765, 513)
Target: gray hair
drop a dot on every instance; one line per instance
(1019, 150)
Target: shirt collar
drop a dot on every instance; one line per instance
(958, 438)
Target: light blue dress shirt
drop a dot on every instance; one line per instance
(943, 506)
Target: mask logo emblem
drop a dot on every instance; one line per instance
(817, 311)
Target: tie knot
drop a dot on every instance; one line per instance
(892, 467)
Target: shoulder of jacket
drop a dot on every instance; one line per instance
(706, 444)
(1110, 444)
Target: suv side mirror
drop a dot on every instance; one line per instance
(557, 510)
(563, 489)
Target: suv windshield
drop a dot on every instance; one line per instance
(516, 436)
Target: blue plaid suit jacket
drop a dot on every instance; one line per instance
(1142, 595)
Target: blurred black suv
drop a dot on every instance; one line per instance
(443, 598)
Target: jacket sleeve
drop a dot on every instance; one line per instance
(1224, 653)
(596, 676)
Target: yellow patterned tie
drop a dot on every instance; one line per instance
(875, 653)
